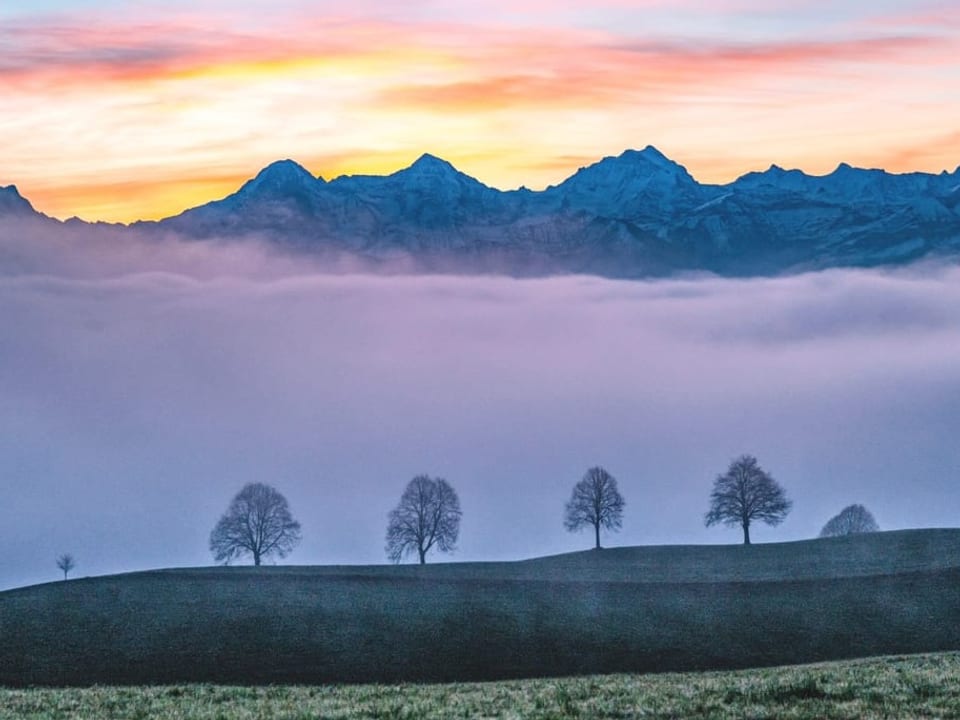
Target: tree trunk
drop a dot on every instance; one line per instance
(256, 558)
(596, 529)
(423, 556)
(746, 533)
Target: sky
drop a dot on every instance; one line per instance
(144, 383)
(127, 110)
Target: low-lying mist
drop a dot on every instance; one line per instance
(145, 381)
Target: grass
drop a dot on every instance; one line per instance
(890, 687)
(622, 610)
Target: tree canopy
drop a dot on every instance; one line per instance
(745, 494)
(595, 502)
(257, 523)
(427, 517)
(66, 562)
(852, 520)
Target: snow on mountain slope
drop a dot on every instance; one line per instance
(431, 194)
(633, 215)
(636, 184)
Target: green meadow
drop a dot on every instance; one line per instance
(922, 686)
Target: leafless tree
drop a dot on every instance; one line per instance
(744, 494)
(66, 563)
(852, 520)
(258, 523)
(427, 516)
(595, 501)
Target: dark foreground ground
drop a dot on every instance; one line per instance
(612, 611)
(922, 686)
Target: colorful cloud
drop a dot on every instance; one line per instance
(129, 112)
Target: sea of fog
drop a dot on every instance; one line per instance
(144, 382)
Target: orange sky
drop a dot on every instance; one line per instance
(130, 112)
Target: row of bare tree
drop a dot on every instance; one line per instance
(743, 495)
(258, 522)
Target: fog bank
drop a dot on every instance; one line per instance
(145, 382)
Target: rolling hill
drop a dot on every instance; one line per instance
(624, 609)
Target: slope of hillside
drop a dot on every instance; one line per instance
(573, 614)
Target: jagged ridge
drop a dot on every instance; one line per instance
(633, 215)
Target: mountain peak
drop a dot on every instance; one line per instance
(285, 170)
(649, 153)
(774, 176)
(633, 184)
(843, 167)
(428, 164)
(649, 159)
(282, 177)
(431, 172)
(12, 202)
(633, 166)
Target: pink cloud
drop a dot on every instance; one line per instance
(73, 51)
(615, 73)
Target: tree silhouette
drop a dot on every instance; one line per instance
(427, 516)
(852, 520)
(744, 494)
(595, 501)
(66, 563)
(257, 523)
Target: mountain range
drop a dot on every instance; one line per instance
(638, 214)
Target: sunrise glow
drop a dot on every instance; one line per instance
(121, 112)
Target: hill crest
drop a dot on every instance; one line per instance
(889, 552)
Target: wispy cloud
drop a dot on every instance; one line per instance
(621, 74)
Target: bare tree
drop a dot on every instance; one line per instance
(595, 501)
(258, 523)
(427, 516)
(744, 494)
(852, 520)
(66, 563)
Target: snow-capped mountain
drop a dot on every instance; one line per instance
(636, 185)
(633, 215)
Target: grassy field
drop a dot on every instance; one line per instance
(891, 687)
(620, 610)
